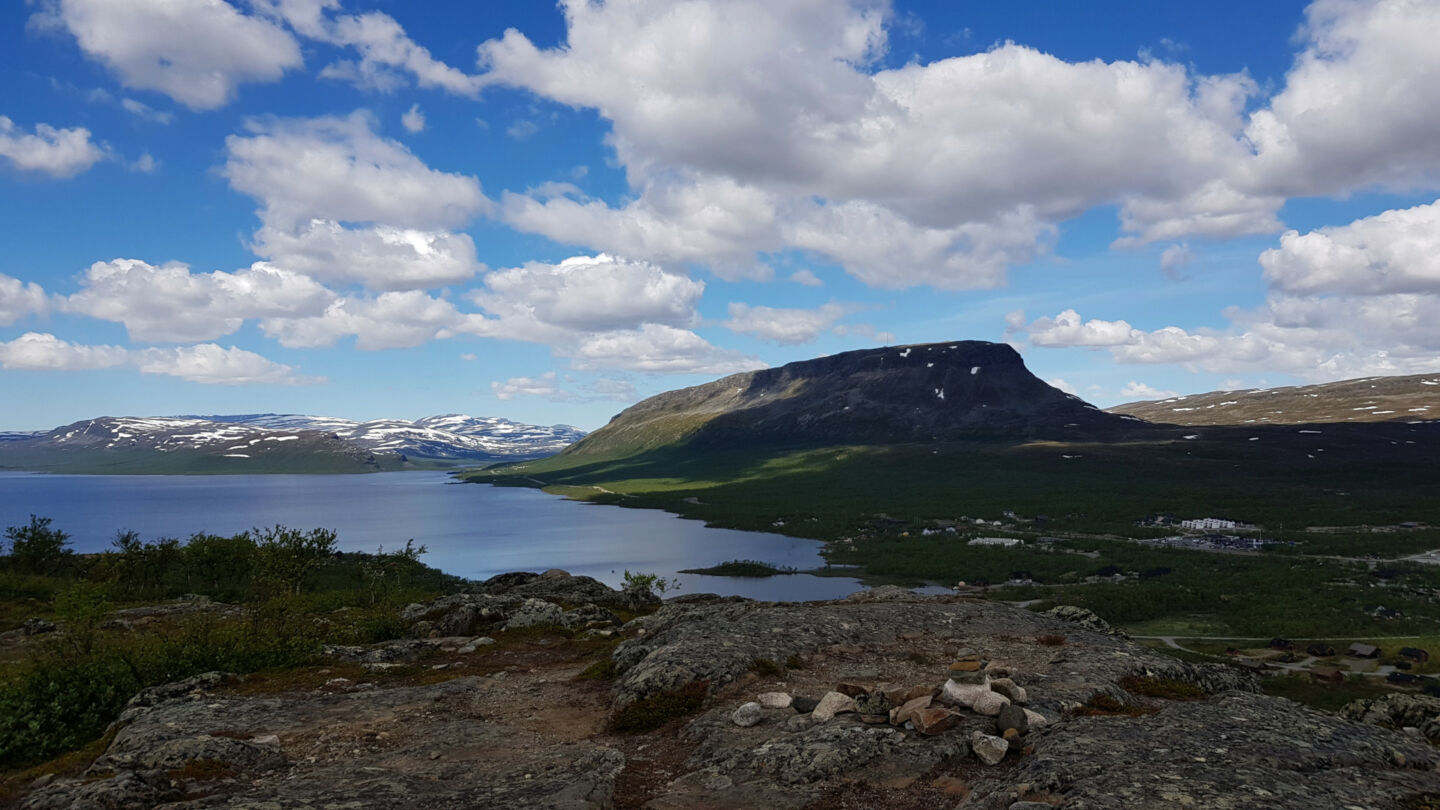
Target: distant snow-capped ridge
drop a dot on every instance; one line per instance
(451, 436)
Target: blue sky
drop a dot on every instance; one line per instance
(547, 212)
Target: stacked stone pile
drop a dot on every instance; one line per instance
(973, 689)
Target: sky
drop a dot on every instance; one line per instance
(377, 208)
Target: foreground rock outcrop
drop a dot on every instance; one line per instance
(886, 699)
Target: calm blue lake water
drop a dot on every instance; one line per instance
(471, 530)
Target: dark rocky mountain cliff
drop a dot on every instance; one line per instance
(938, 391)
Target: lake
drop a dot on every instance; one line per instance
(471, 530)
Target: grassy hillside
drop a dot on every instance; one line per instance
(874, 505)
(825, 492)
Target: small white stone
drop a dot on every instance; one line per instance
(774, 700)
(832, 704)
(747, 715)
(1036, 719)
(988, 748)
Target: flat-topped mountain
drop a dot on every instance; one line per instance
(937, 391)
(1368, 399)
(276, 443)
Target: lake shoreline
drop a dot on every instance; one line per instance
(470, 533)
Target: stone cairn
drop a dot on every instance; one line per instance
(930, 710)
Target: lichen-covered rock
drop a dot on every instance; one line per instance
(872, 704)
(35, 626)
(432, 737)
(1083, 617)
(1236, 750)
(799, 722)
(1399, 710)
(127, 790)
(749, 714)
(821, 751)
(988, 748)
(459, 614)
(138, 752)
(717, 641)
(390, 652)
(883, 593)
(463, 620)
(589, 616)
(535, 613)
(560, 587)
(191, 688)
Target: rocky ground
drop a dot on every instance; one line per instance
(885, 699)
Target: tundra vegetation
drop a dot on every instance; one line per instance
(896, 513)
(272, 597)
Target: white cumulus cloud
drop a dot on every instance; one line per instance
(168, 303)
(341, 203)
(195, 51)
(1142, 391)
(591, 294)
(57, 152)
(659, 349)
(1174, 259)
(1344, 301)
(550, 386)
(44, 351)
(387, 54)
(1357, 106)
(391, 320)
(1392, 252)
(382, 257)
(785, 326)
(755, 125)
(19, 299)
(413, 120)
(1069, 329)
(337, 168)
(214, 365)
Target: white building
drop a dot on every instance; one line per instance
(996, 541)
(1208, 523)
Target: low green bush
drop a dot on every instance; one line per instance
(654, 711)
(69, 692)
